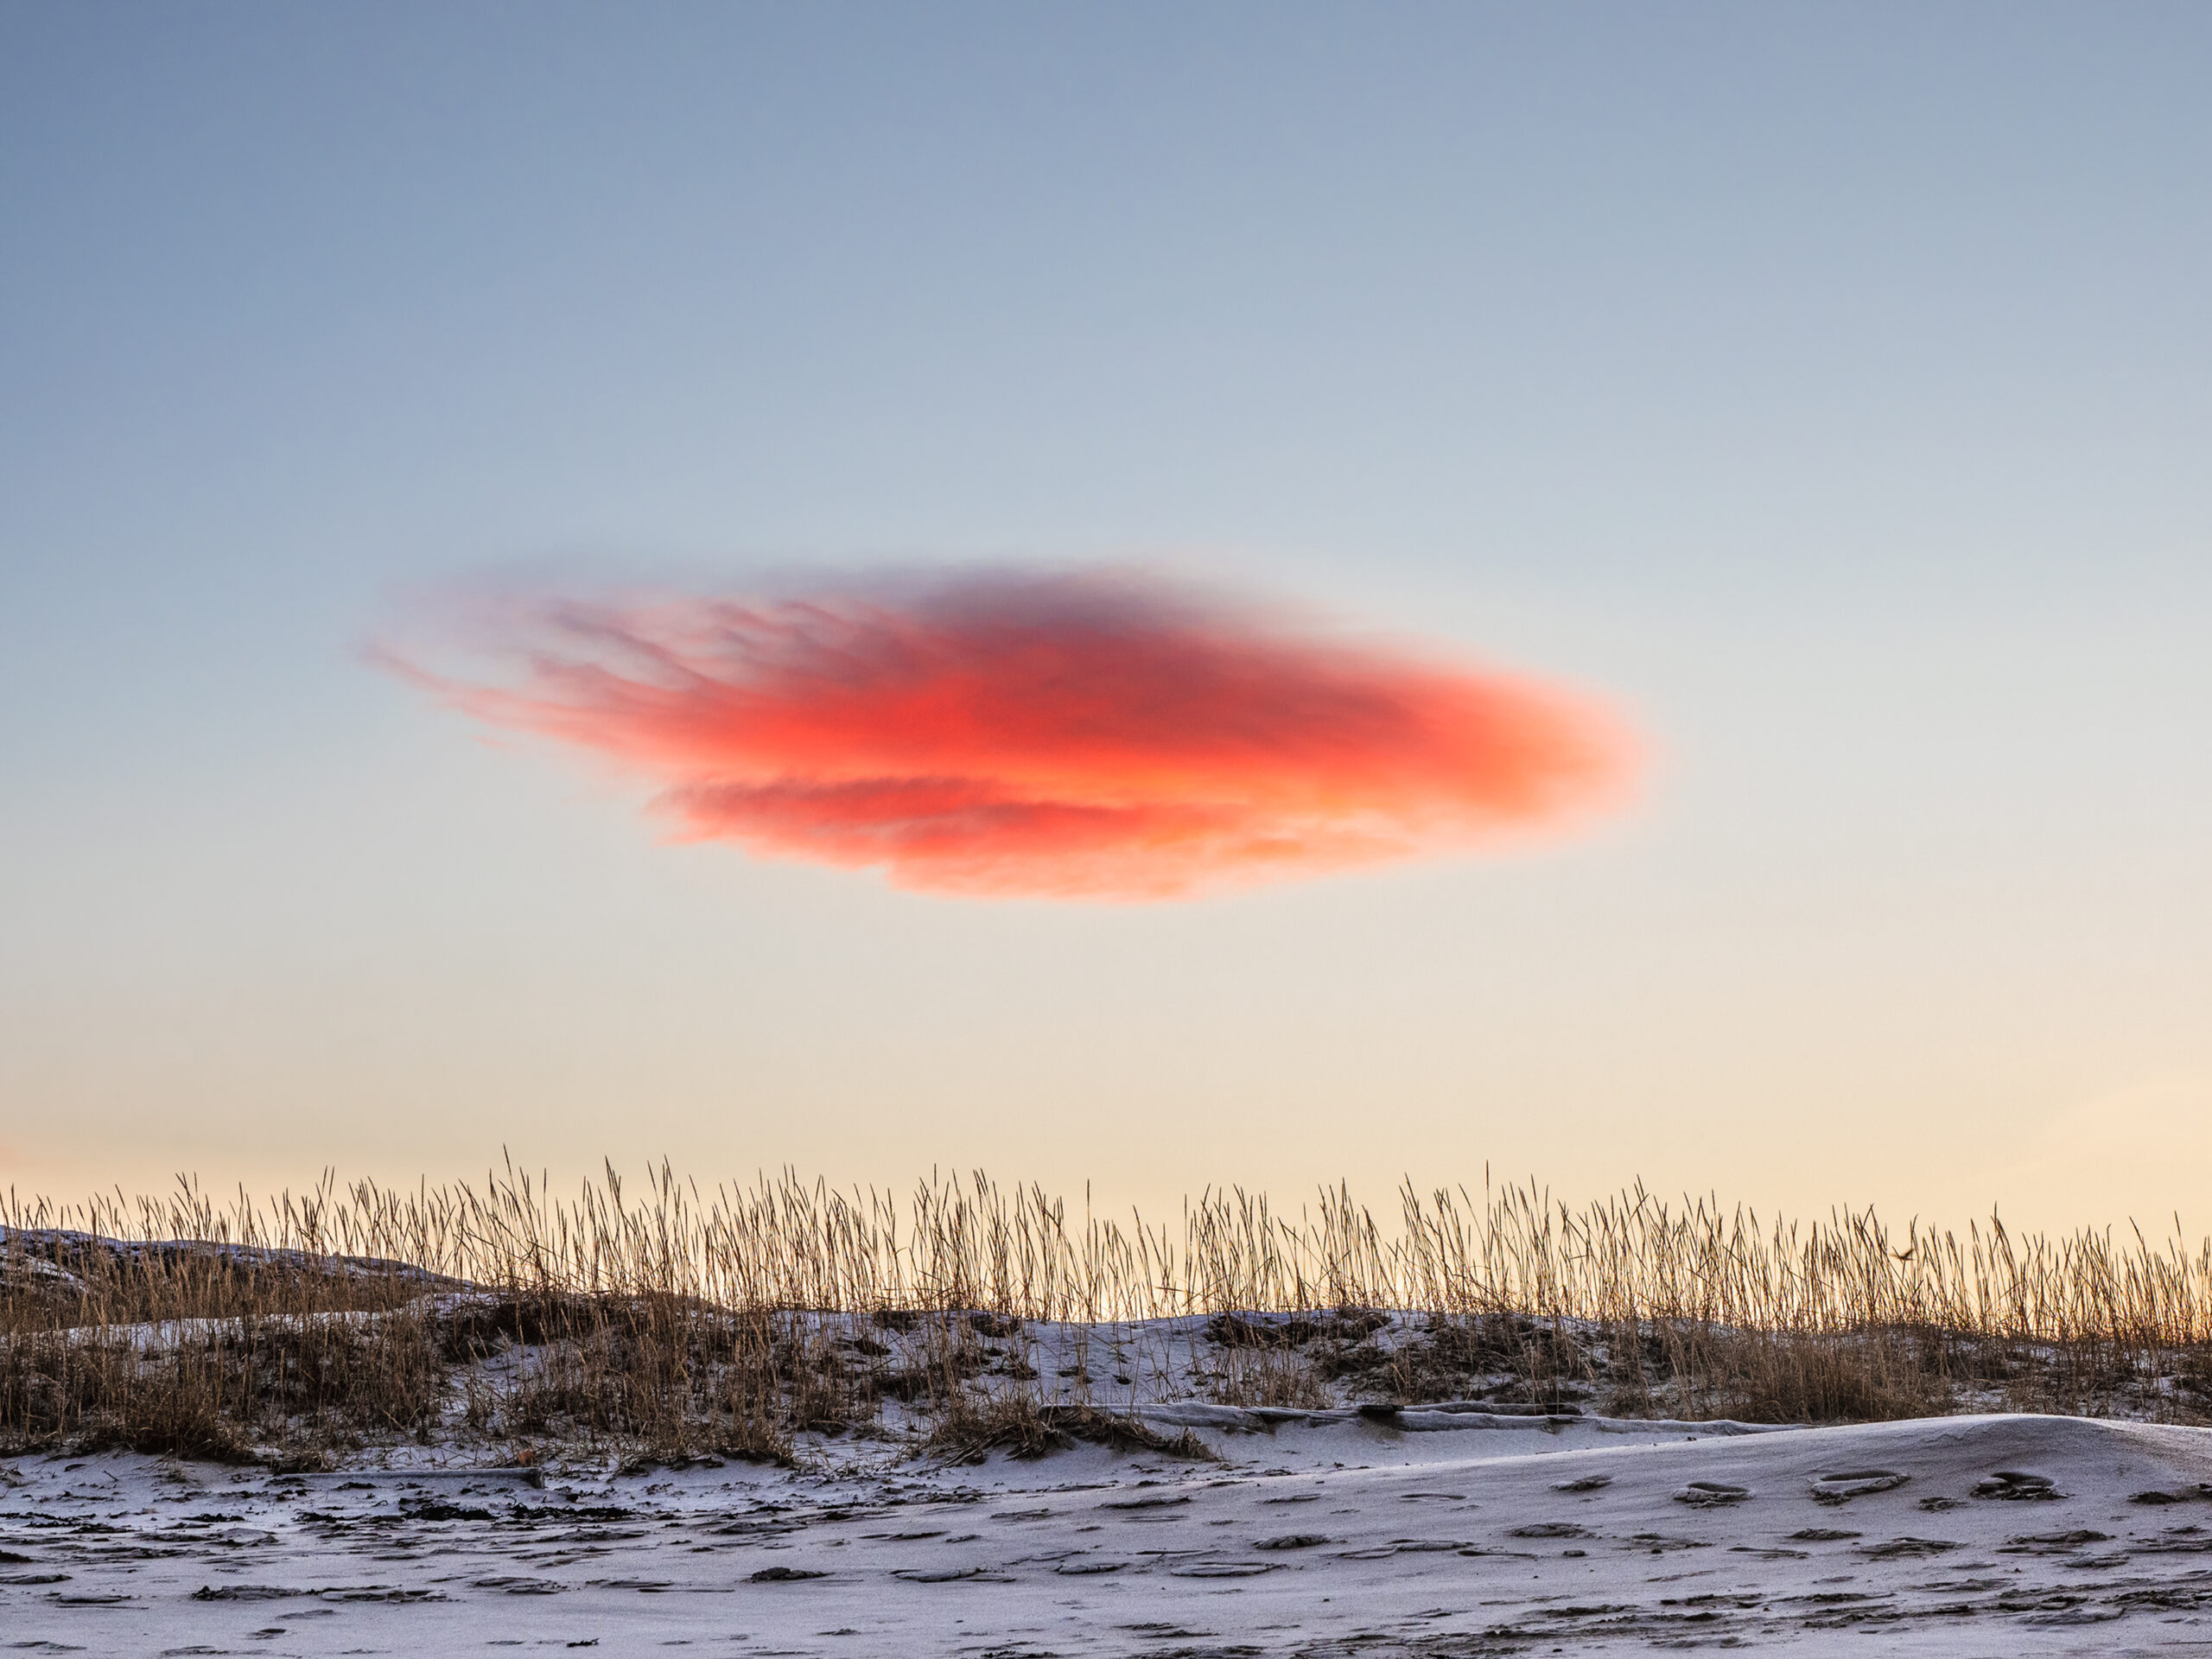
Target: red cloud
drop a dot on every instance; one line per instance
(1068, 736)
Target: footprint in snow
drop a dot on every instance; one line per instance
(1709, 1494)
(2012, 1485)
(1842, 1487)
(1906, 1548)
(2046, 1543)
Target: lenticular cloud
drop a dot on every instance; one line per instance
(1096, 736)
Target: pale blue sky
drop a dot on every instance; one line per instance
(1832, 387)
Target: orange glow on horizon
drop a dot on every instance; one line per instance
(1091, 736)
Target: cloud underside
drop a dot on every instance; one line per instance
(1006, 734)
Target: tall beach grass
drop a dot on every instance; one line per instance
(667, 1319)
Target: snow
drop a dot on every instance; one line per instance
(1328, 1529)
(1332, 1533)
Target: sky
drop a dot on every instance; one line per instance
(1818, 398)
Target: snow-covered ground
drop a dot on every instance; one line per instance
(1433, 1533)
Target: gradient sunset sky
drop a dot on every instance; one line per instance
(1792, 426)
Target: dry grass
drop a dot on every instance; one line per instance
(685, 1324)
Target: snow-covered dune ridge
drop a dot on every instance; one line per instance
(65, 1264)
(306, 1356)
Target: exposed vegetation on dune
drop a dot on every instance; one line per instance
(966, 1315)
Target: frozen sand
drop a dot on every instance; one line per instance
(1331, 1537)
